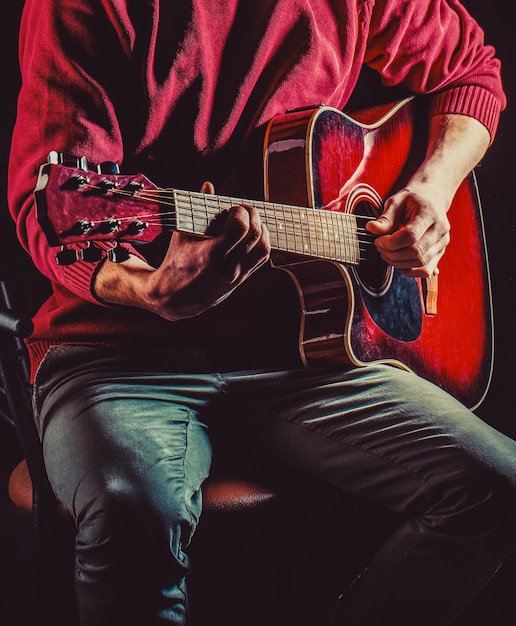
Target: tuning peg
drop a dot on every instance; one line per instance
(109, 225)
(106, 185)
(82, 163)
(55, 157)
(76, 181)
(136, 228)
(108, 167)
(81, 227)
(118, 254)
(91, 253)
(66, 256)
(133, 186)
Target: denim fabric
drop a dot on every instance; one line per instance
(126, 444)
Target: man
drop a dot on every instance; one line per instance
(135, 357)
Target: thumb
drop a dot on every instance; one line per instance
(386, 222)
(382, 225)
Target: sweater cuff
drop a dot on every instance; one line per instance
(470, 100)
(80, 276)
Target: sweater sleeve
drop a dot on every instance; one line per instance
(63, 106)
(437, 49)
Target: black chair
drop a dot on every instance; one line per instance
(265, 532)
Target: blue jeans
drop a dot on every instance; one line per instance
(126, 440)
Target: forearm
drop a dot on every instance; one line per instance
(456, 144)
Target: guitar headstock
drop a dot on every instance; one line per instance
(79, 205)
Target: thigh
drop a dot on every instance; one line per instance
(119, 436)
(385, 434)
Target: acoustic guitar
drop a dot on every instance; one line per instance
(326, 174)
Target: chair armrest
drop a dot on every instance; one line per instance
(15, 324)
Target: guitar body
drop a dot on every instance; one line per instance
(357, 315)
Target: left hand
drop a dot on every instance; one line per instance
(413, 230)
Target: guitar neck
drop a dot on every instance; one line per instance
(305, 231)
(96, 207)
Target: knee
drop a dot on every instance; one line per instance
(122, 515)
(471, 496)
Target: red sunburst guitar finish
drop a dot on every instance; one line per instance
(326, 174)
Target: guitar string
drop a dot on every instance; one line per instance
(298, 234)
(309, 236)
(199, 203)
(344, 225)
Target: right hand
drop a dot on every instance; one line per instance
(196, 273)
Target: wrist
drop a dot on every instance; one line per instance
(121, 283)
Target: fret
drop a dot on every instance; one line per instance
(303, 237)
(286, 221)
(342, 236)
(317, 238)
(338, 237)
(329, 227)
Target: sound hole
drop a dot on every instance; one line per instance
(372, 273)
(392, 299)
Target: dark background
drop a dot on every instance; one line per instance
(497, 605)
(496, 181)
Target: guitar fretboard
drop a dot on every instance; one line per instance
(305, 231)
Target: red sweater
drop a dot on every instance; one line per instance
(175, 89)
